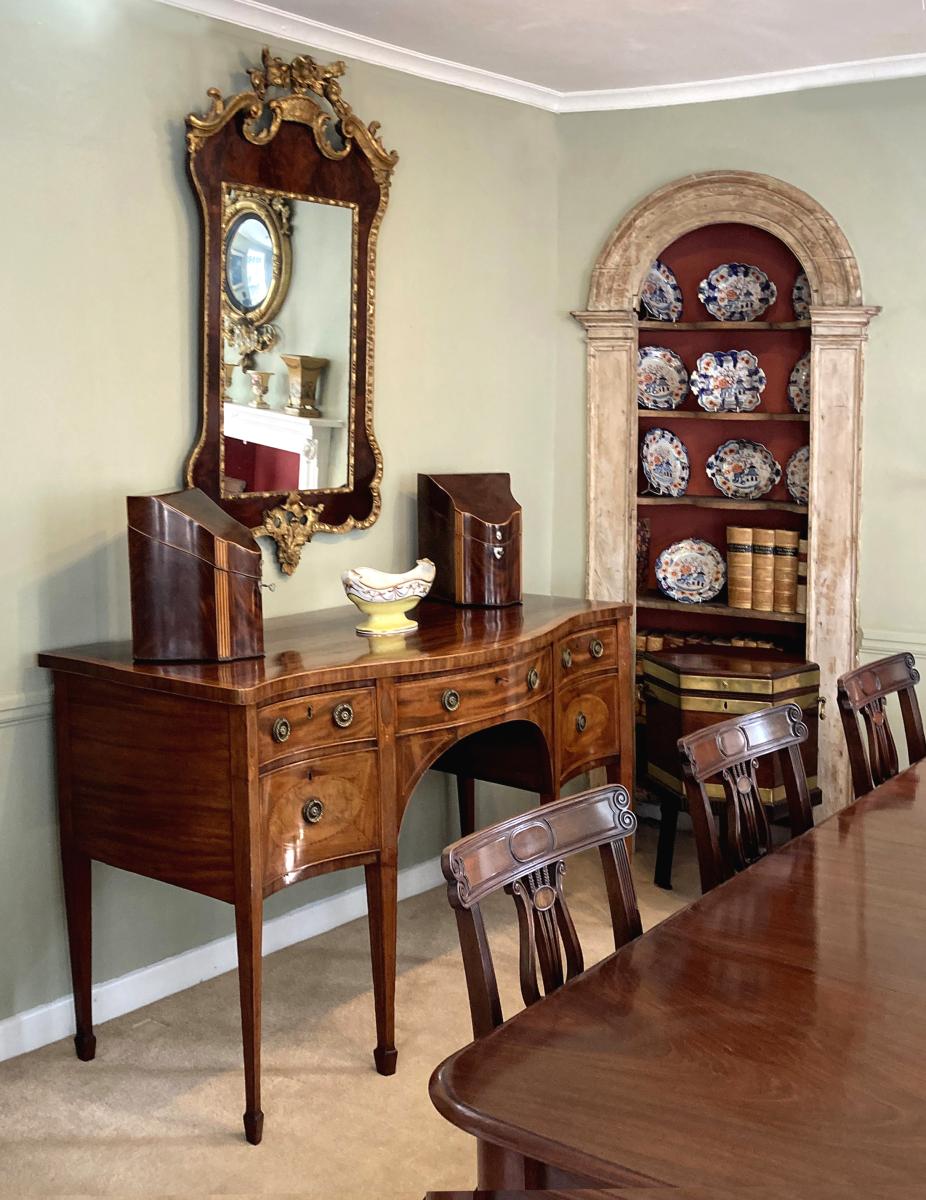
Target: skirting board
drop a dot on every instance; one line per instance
(50, 1022)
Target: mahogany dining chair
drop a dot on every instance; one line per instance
(865, 691)
(730, 751)
(524, 855)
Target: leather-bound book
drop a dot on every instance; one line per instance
(801, 605)
(785, 582)
(763, 569)
(739, 566)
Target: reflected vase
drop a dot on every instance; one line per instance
(304, 374)
(260, 382)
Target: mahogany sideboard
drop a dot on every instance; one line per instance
(237, 779)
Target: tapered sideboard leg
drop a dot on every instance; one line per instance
(466, 798)
(76, 869)
(382, 898)
(248, 927)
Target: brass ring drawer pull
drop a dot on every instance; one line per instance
(533, 679)
(450, 700)
(581, 722)
(281, 730)
(312, 811)
(566, 658)
(596, 648)
(343, 715)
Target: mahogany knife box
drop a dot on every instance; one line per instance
(470, 528)
(195, 581)
(687, 690)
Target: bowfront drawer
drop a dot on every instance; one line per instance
(587, 651)
(324, 719)
(314, 811)
(473, 696)
(588, 717)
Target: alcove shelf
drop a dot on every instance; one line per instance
(694, 224)
(744, 507)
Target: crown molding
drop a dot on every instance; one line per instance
(265, 18)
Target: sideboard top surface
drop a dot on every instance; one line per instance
(319, 648)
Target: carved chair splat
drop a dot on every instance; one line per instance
(864, 692)
(525, 856)
(730, 751)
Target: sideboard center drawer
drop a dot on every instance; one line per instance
(472, 696)
(322, 719)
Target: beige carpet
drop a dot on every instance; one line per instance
(159, 1111)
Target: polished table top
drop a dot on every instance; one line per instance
(323, 647)
(772, 1032)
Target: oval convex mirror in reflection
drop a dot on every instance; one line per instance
(248, 263)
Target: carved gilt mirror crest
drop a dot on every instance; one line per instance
(292, 188)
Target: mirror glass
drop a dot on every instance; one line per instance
(248, 263)
(287, 379)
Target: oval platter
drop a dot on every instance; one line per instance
(728, 381)
(797, 475)
(661, 295)
(737, 292)
(665, 462)
(800, 297)
(799, 385)
(691, 571)
(743, 469)
(662, 380)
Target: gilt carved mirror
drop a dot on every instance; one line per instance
(292, 189)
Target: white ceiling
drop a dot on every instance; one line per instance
(582, 54)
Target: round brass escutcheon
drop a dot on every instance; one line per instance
(343, 715)
(596, 648)
(281, 730)
(566, 658)
(533, 679)
(581, 722)
(312, 811)
(450, 700)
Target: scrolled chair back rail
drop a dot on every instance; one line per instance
(525, 855)
(864, 692)
(730, 751)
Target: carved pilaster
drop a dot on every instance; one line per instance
(612, 453)
(838, 337)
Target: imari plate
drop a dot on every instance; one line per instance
(665, 462)
(743, 470)
(728, 381)
(800, 297)
(662, 380)
(797, 475)
(691, 571)
(737, 292)
(661, 295)
(799, 385)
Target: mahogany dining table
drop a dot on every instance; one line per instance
(771, 1033)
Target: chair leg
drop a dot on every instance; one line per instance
(665, 847)
(466, 798)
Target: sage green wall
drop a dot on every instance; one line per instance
(100, 265)
(856, 150)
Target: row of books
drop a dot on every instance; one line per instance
(766, 569)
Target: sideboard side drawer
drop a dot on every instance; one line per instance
(588, 722)
(472, 695)
(587, 651)
(317, 810)
(322, 719)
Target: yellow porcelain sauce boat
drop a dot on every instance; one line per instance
(385, 600)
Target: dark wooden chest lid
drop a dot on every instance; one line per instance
(193, 524)
(485, 496)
